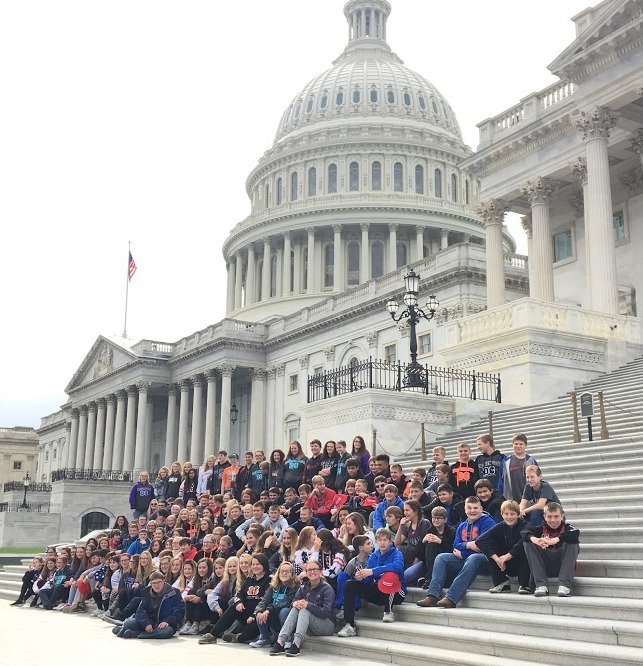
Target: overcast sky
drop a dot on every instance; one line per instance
(140, 121)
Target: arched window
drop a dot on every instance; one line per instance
(332, 178)
(377, 259)
(95, 520)
(329, 265)
(353, 177)
(353, 264)
(280, 191)
(407, 98)
(294, 186)
(312, 182)
(398, 177)
(376, 176)
(422, 102)
(401, 254)
(374, 96)
(435, 107)
(273, 275)
(419, 179)
(310, 104)
(298, 111)
(466, 192)
(437, 175)
(339, 98)
(357, 96)
(323, 102)
(390, 96)
(454, 187)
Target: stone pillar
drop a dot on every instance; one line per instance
(579, 169)
(338, 259)
(119, 434)
(444, 239)
(171, 450)
(238, 280)
(99, 440)
(419, 244)
(210, 413)
(63, 451)
(257, 405)
(230, 290)
(311, 260)
(595, 127)
(149, 435)
(285, 266)
(526, 225)
(70, 458)
(226, 372)
(297, 269)
(196, 442)
(392, 247)
(141, 428)
(251, 279)
(91, 436)
(82, 437)
(539, 194)
(280, 372)
(493, 214)
(108, 450)
(130, 429)
(265, 271)
(279, 272)
(184, 425)
(364, 264)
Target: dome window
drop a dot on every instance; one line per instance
(435, 107)
(353, 180)
(297, 111)
(332, 178)
(280, 191)
(376, 176)
(437, 176)
(377, 259)
(339, 98)
(294, 186)
(357, 96)
(407, 98)
(312, 182)
(310, 104)
(398, 177)
(454, 187)
(352, 277)
(422, 102)
(390, 96)
(419, 179)
(374, 96)
(323, 102)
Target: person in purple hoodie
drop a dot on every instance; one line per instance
(140, 496)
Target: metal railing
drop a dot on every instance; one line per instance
(91, 475)
(33, 507)
(391, 376)
(33, 487)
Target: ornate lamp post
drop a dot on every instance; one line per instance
(25, 482)
(415, 374)
(234, 413)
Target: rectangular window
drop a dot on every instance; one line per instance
(618, 221)
(563, 246)
(390, 353)
(54, 454)
(319, 370)
(293, 383)
(46, 456)
(424, 344)
(17, 464)
(293, 433)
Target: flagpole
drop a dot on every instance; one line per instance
(126, 291)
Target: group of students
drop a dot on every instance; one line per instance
(289, 546)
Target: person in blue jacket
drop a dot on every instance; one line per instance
(465, 562)
(390, 499)
(384, 571)
(160, 613)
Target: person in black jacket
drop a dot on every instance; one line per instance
(503, 547)
(438, 540)
(490, 499)
(451, 502)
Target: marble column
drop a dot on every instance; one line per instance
(88, 460)
(493, 213)
(285, 266)
(226, 372)
(444, 239)
(70, 458)
(149, 435)
(311, 260)
(579, 169)
(196, 442)
(297, 269)
(230, 290)
(527, 226)
(265, 271)
(257, 406)
(238, 281)
(119, 432)
(64, 452)
(130, 429)
(108, 450)
(392, 247)
(364, 263)
(210, 413)
(539, 193)
(280, 372)
(184, 425)
(596, 126)
(141, 428)
(171, 450)
(338, 258)
(99, 440)
(251, 280)
(419, 244)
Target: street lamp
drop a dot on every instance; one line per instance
(415, 374)
(25, 483)
(234, 413)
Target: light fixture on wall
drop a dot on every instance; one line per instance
(234, 413)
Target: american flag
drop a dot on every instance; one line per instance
(131, 267)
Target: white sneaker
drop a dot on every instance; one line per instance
(502, 587)
(541, 591)
(347, 632)
(388, 617)
(60, 606)
(184, 628)
(339, 615)
(564, 591)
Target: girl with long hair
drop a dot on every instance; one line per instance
(329, 461)
(29, 578)
(409, 539)
(205, 473)
(161, 484)
(286, 552)
(189, 486)
(276, 474)
(331, 554)
(304, 548)
(176, 569)
(174, 480)
(244, 571)
(294, 466)
(185, 583)
(355, 526)
(45, 580)
(121, 523)
(196, 609)
(225, 589)
(361, 453)
(145, 568)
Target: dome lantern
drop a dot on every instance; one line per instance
(367, 19)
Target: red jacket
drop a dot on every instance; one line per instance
(323, 504)
(190, 556)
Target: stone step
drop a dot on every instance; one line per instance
(608, 511)
(610, 551)
(610, 568)
(599, 523)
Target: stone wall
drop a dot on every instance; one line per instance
(20, 529)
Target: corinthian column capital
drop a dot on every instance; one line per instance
(538, 192)
(579, 169)
(596, 124)
(493, 211)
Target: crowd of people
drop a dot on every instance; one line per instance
(278, 548)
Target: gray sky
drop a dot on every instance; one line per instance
(140, 121)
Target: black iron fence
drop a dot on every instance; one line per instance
(34, 507)
(428, 380)
(91, 475)
(33, 487)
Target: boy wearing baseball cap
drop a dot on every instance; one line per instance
(229, 475)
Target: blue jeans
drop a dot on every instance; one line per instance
(133, 625)
(413, 572)
(536, 516)
(339, 596)
(465, 572)
(275, 622)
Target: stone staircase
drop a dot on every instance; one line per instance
(602, 623)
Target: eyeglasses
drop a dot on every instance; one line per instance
(438, 517)
(314, 570)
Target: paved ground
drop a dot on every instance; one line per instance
(34, 637)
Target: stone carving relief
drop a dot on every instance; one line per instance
(371, 338)
(381, 412)
(104, 362)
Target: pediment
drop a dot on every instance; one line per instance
(104, 358)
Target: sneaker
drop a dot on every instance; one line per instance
(260, 643)
(128, 633)
(116, 630)
(525, 590)
(347, 632)
(428, 602)
(502, 587)
(426, 584)
(98, 613)
(229, 637)
(182, 630)
(34, 603)
(339, 615)
(293, 651)
(277, 649)
(204, 627)
(541, 591)
(564, 591)
(111, 620)
(60, 606)
(206, 639)
(69, 609)
(193, 630)
(388, 617)
(48, 607)
(17, 602)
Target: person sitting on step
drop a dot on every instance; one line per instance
(536, 495)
